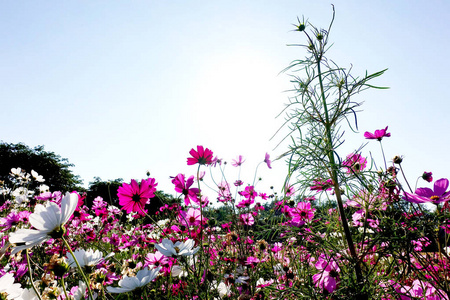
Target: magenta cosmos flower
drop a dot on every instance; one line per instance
(319, 186)
(436, 195)
(354, 163)
(237, 162)
(247, 219)
(377, 135)
(134, 196)
(427, 176)
(201, 156)
(268, 161)
(328, 279)
(192, 217)
(184, 187)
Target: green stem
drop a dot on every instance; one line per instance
(334, 178)
(384, 158)
(31, 276)
(64, 287)
(201, 215)
(404, 177)
(79, 269)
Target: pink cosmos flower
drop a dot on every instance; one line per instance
(237, 162)
(427, 176)
(377, 135)
(252, 261)
(190, 218)
(201, 156)
(303, 211)
(329, 277)
(134, 196)
(290, 190)
(277, 247)
(203, 201)
(247, 219)
(357, 217)
(155, 260)
(268, 161)
(438, 195)
(224, 192)
(249, 192)
(184, 187)
(13, 219)
(238, 183)
(354, 163)
(322, 185)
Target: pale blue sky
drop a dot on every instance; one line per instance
(122, 87)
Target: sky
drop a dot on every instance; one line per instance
(125, 87)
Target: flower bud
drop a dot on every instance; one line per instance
(61, 268)
(397, 159)
(427, 176)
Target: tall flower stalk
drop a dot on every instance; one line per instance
(323, 99)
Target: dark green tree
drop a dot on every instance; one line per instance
(105, 189)
(55, 170)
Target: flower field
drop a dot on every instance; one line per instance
(340, 228)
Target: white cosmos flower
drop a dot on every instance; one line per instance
(44, 188)
(178, 271)
(84, 257)
(80, 291)
(36, 176)
(17, 172)
(8, 287)
(168, 248)
(127, 284)
(28, 294)
(48, 221)
(21, 194)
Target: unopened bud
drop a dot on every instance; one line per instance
(301, 27)
(397, 159)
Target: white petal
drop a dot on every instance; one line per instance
(45, 218)
(68, 205)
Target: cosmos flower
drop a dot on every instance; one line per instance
(427, 176)
(289, 189)
(354, 163)
(438, 195)
(128, 284)
(329, 277)
(49, 223)
(247, 219)
(134, 196)
(183, 186)
(237, 162)
(9, 288)
(168, 248)
(201, 156)
(318, 185)
(377, 135)
(268, 161)
(303, 212)
(154, 260)
(37, 177)
(85, 258)
(190, 218)
(249, 192)
(14, 218)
